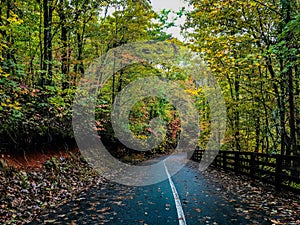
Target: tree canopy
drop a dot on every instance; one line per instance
(252, 47)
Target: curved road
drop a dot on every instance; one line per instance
(186, 198)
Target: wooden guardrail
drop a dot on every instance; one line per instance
(281, 171)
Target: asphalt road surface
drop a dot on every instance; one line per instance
(188, 197)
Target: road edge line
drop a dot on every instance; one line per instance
(180, 213)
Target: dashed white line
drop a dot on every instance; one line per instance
(181, 217)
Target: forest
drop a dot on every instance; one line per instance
(52, 53)
(251, 46)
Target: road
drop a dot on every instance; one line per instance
(188, 197)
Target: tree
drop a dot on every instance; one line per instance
(238, 39)
(45, 47)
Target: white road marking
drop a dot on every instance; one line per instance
(181, 217)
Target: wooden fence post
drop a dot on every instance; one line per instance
(214, 160)
(252, 165)
(278, 177)
(224, 161)
(236, 162)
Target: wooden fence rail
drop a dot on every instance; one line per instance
(281, 171)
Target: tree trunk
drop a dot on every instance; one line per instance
(47, 61)
(79, 65)
(288, 75)
(64, 41)
(8, 55)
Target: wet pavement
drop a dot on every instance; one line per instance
(202, 201)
